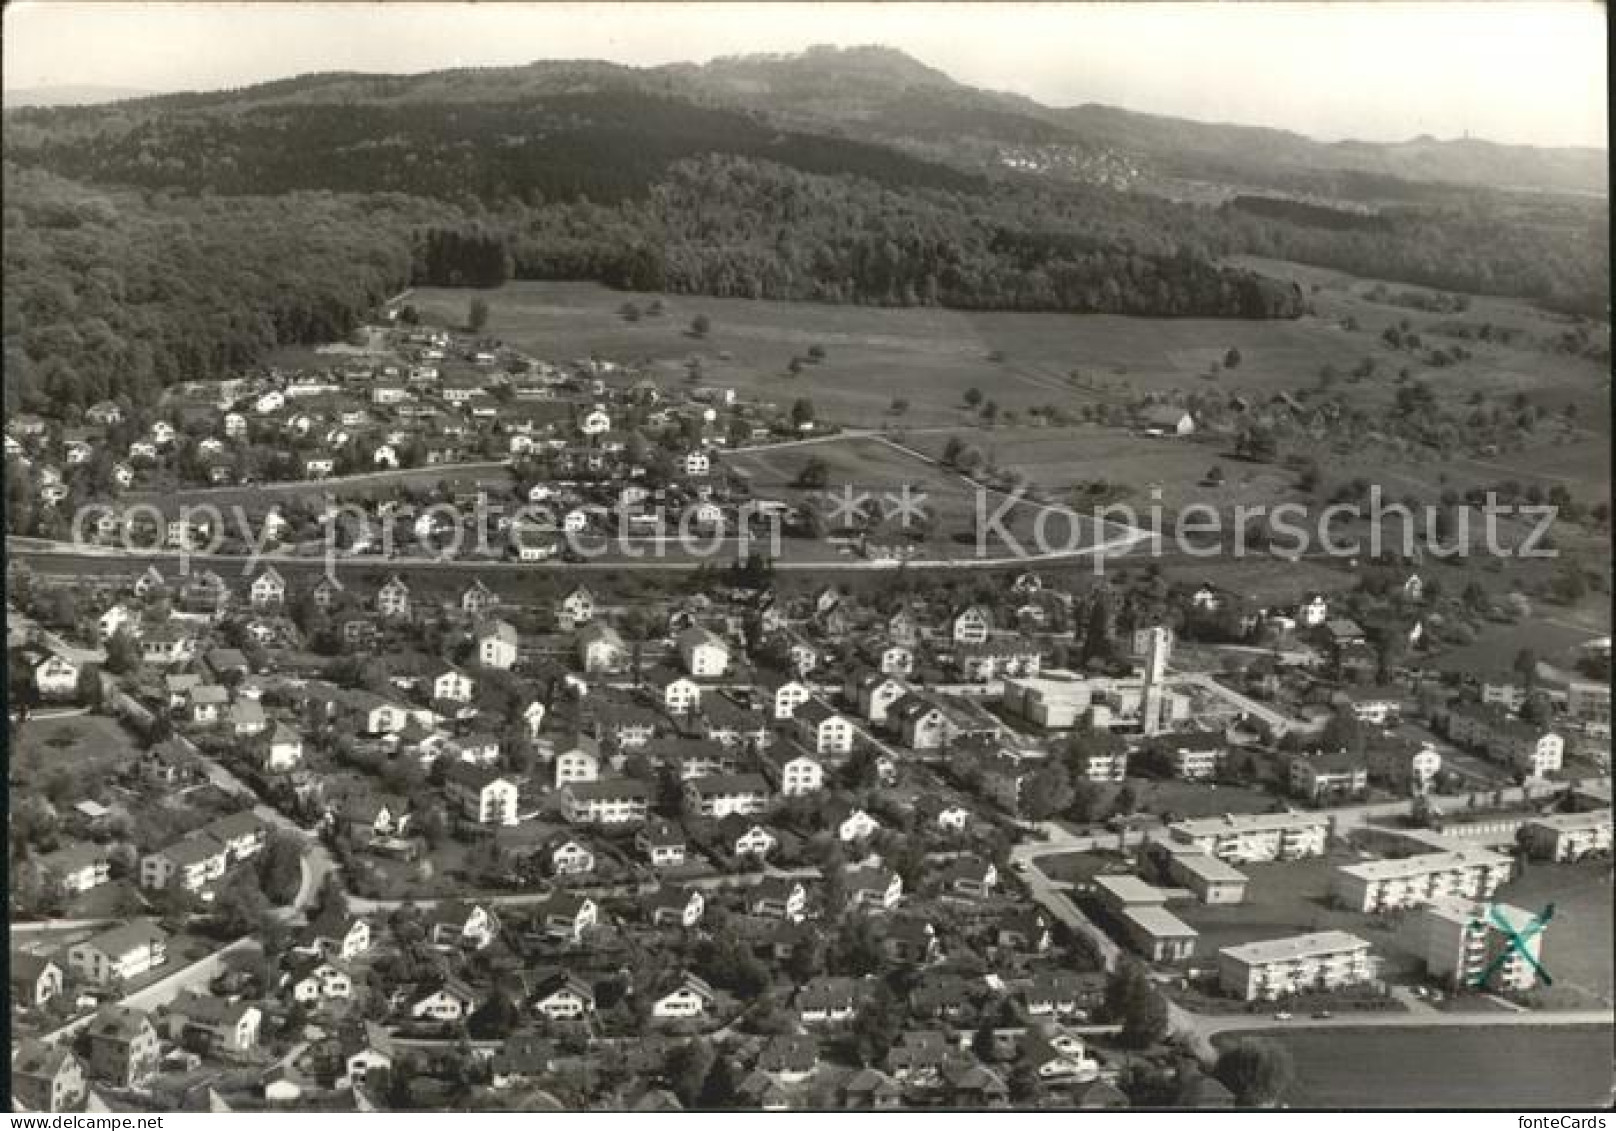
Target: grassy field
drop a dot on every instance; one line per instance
(85, 746)
(1495, 650)
(879, 469)
(1061, 458)
(873, 356)
(1024, 360)
(1449, 1068)
(1578, 946)
(1292, 898)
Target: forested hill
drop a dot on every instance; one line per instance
(178, 236)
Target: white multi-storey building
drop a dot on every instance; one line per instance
(1414, 881)
(1273, 968)
(1255, 836)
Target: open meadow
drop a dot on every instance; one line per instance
(1449, 1068)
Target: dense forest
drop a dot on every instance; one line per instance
(731, 227)
(221, 225)
(119, 293)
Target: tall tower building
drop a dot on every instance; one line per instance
(1155, 680)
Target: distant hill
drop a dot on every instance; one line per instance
(881, 95)
(69, 95)
(1181, 146)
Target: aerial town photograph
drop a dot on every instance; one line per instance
(657, 557)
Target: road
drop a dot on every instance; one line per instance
(52, 641)
(1277, 721)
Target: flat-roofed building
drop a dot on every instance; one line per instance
(1156, 933)
(1255, 836)
(1414, 881)
(1212, 880)
(1568, 836)
(1273, 968)
(1490, 946)
(1122, 891)
(1057, 699)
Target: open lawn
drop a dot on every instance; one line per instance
(1292, 898)
(1059, 459)
(1578, 948)
(87, 747)
(883, 471)
(1186, 800)
(1496, 648)
(1449, 1068)
(873, 356)
(1021, 361)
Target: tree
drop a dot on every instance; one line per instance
(876, 1026)
(477, 315)
(816, 352)
(802, 411)
(900, 405)
(794, 367)
(1025, 1086)
(686, 1068)
(123, 653)
(1231, 360)
(1526, 667)
(701, 325)
(1259, 1072)
(629, 312)
(973, 397)
(281, 870)
(815, 475)
(1343, 731)
(1048, 792)
(721, 1086)
(496, 1019)
(1132, 1000)
(1257, 443)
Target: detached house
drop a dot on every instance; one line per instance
(268, 589)
(483, 794)
(703, 653)
(720, 795)
(393, 599)
(124, 1049)
(688, 996)
(601, 649)
(823, 729)
(120, 954)
(497, 645)
(563, 996)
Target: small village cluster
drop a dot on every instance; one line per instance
(590, 450)
(807, 825)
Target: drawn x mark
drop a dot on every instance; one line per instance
(1517, 943)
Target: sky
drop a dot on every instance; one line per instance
(1532, 73)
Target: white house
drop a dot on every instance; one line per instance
(497, 645)
(57, 677)
(703, 653)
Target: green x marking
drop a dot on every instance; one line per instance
(1517, 943)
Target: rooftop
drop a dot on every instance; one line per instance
(1298, 946)
(1424, 864)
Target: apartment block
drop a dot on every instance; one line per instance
(1568, 836)
(1255, 836)
(1274, 968)
(1415, 881)
(1481, 945)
